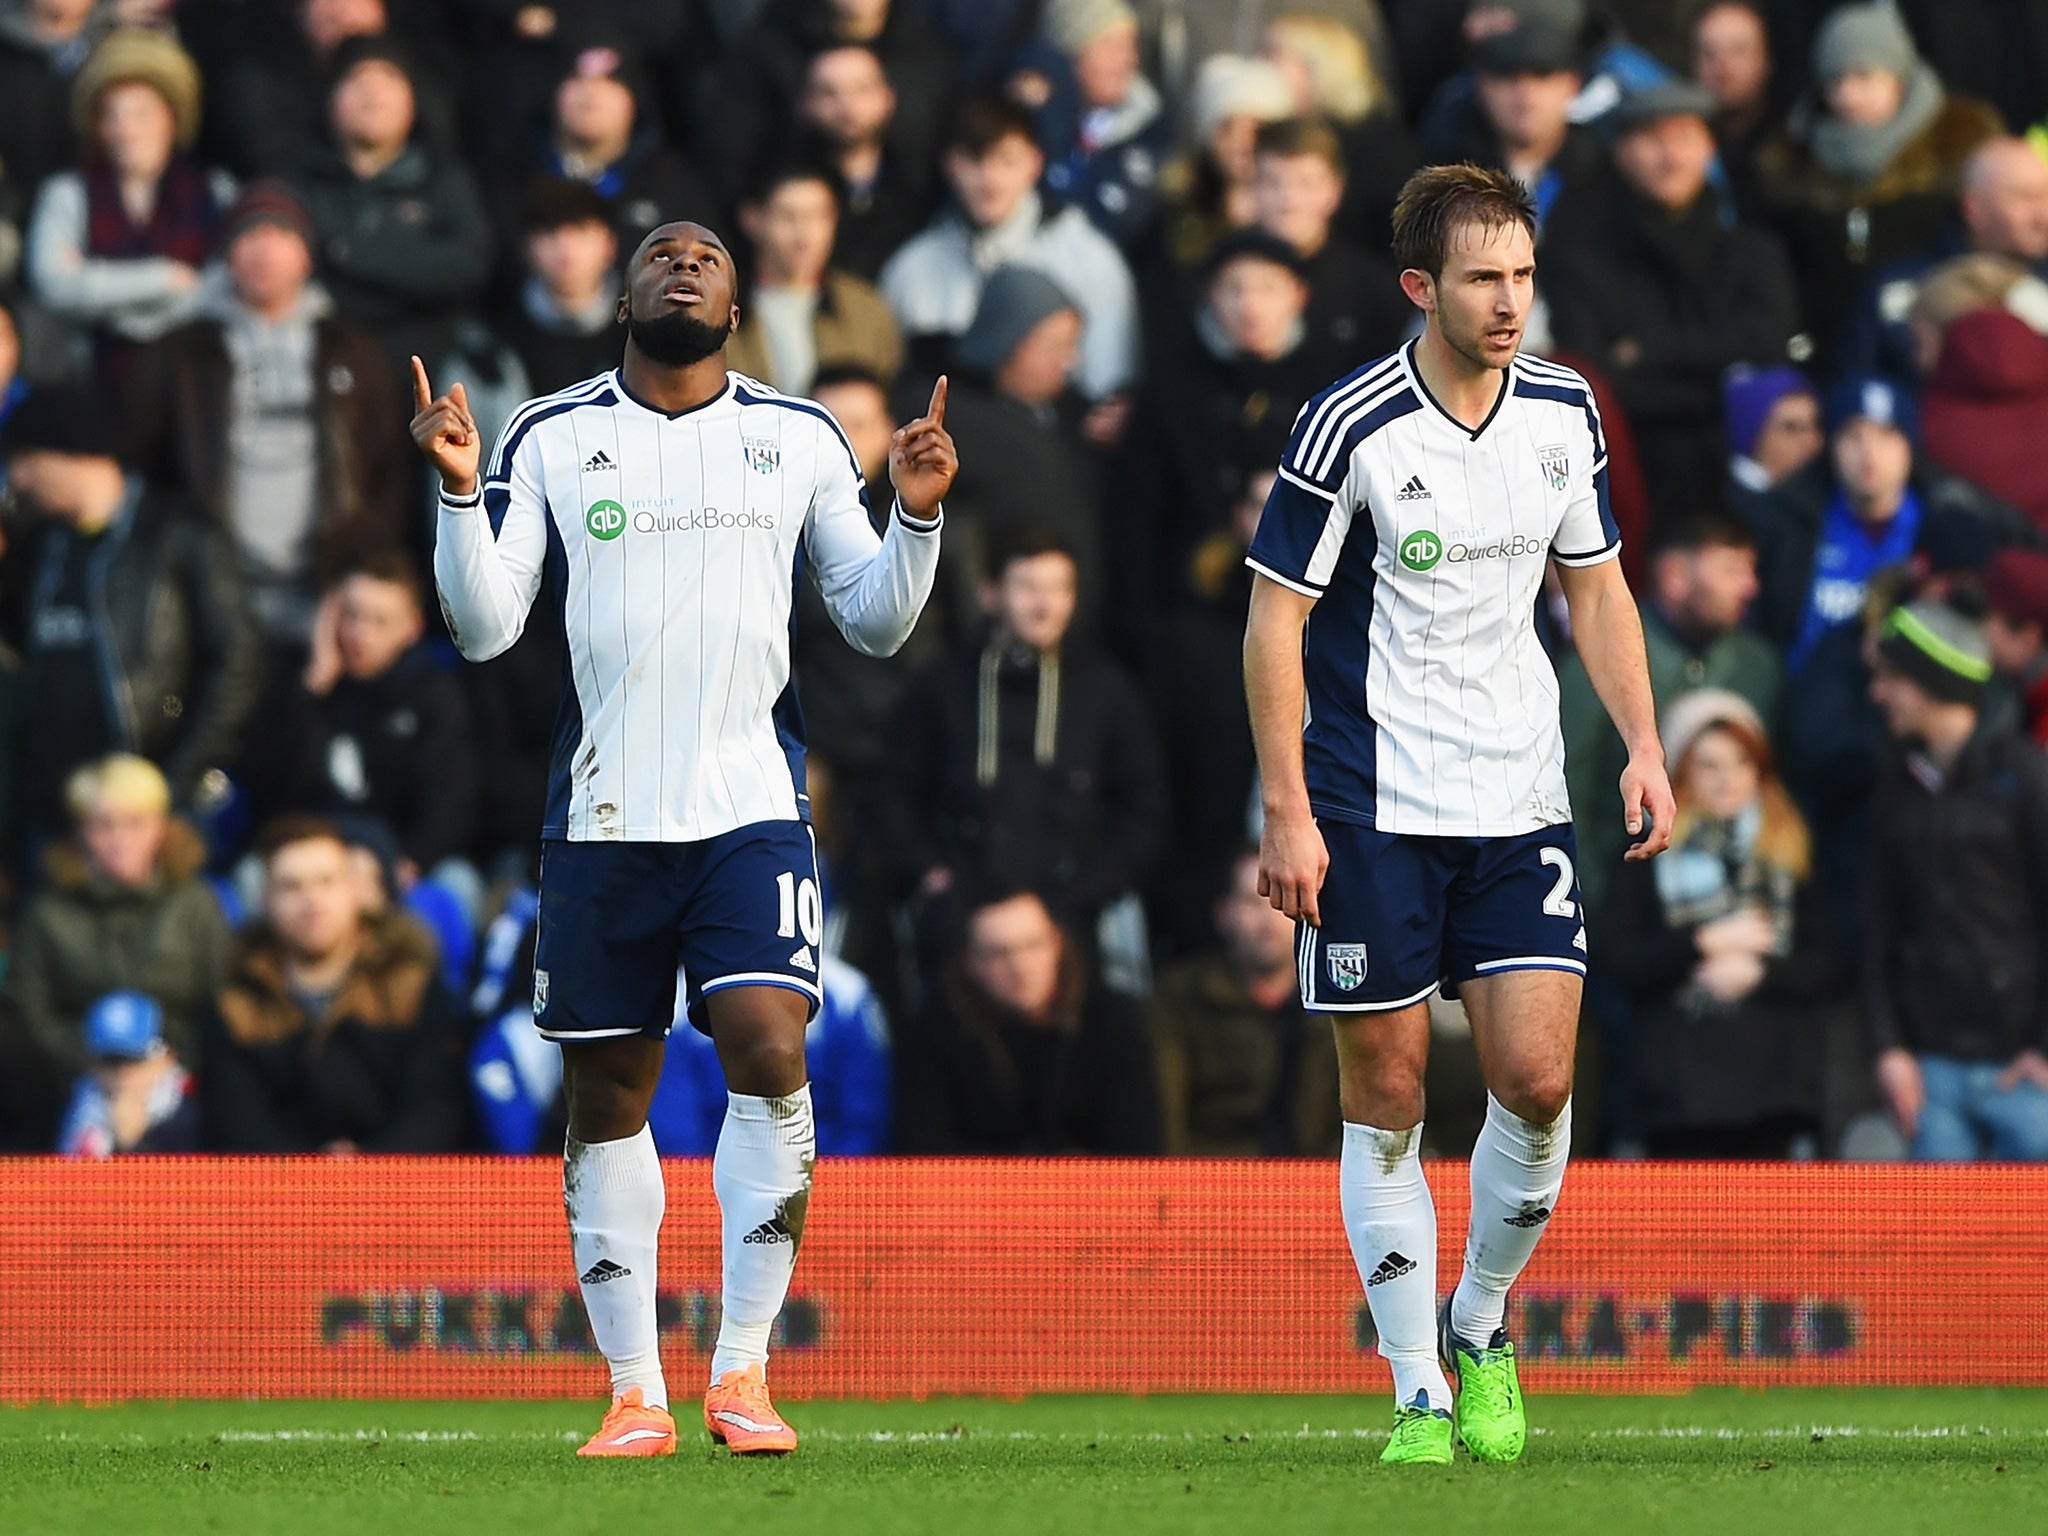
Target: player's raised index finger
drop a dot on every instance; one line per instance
(422, 393)
(935, 413)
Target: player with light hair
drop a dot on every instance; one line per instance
(1416, 820)
(661, 514)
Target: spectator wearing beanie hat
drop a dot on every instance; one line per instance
(1865, 505)
(1986, 409)
(1871, 161)
(1103, 124)
(1773, 417)
(1209, 191)
(1955, 910)
(117, 247)
(1012, 404)
(2016, 632)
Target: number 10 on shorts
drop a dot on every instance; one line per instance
(800, 909)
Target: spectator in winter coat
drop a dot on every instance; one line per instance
(1355, 307)
(1101, 122)
(1702, 581)
(998, 219)
(565, 327)
(136, 1097)
(135, 634)
(332, 1034)
(117, 246)
(1024, 464)
(603, 135)
(1209, 190)
(2003, 212)
(122, 909)
(847, 116)
(1772, 422)
(1027, 761)
(1870, 163)
(282, 421)
(2016, 633)
(1020, 1051)
(1956, 904)
(1985, 410)
(401, 234)
(800, 315)
(1243, 1071)
(1723, 947)
(1645, 274)
(1731, 57)
(42, 48)
(387, 732)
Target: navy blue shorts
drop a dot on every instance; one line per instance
(1403, 915)
(617, 920)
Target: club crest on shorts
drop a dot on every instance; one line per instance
(1347, 965)
(1557, 464)
(764, 454)
(540, 991)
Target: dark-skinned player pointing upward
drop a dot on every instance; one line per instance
(659, 514)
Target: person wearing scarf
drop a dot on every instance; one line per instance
(1870, 163)
(1722, 947)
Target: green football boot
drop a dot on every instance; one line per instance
(1422, 1436)
(1488, 1417)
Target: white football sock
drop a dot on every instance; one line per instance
(1517, 1171)
(762, 1175)
(614, 1195)
(1391, 1221)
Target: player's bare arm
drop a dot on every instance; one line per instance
(922, 462)
(1292, 858)
(446, 433)
(1609, 633)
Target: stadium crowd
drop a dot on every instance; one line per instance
(271, 847)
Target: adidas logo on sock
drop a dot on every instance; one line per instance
(598, 460)
(1414, 490)
(1392, 1267)
(773, 1230)
(1532, 1214)
(603, 1270)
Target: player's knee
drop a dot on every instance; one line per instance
(607, 1086)
(1537, 1096)
(1388, 1096)
(766, 1065)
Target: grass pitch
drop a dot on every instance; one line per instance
(1873, 1463)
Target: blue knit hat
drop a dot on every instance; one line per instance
(1749, 395)
(1876, 398)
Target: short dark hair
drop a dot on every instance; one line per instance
(1705, 528)
(984, 121)
(839, 375)
(1025, 539)
(392, 566)
(780, 173)
(295, 827)
(1440, 198)
(1293, 137)
(555, 202)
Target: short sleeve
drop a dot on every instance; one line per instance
(1588, 534)
(1307, 514)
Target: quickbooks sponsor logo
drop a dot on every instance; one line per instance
(606, 520)
(699, 520)
(1420, 551)
(1423, 551)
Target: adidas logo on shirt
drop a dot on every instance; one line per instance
(1414, 490)
(1392, 1267)
(603, 1270)
(598, 461)
(773, 1230)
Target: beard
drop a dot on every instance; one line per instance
(678, 339)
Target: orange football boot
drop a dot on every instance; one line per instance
(737, 1412)
(632, 1428)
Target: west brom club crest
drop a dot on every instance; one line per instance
(1557, 464)
(1347, 965)
(764, 454)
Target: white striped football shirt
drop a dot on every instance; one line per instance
(1432, 708)
(667, 547)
